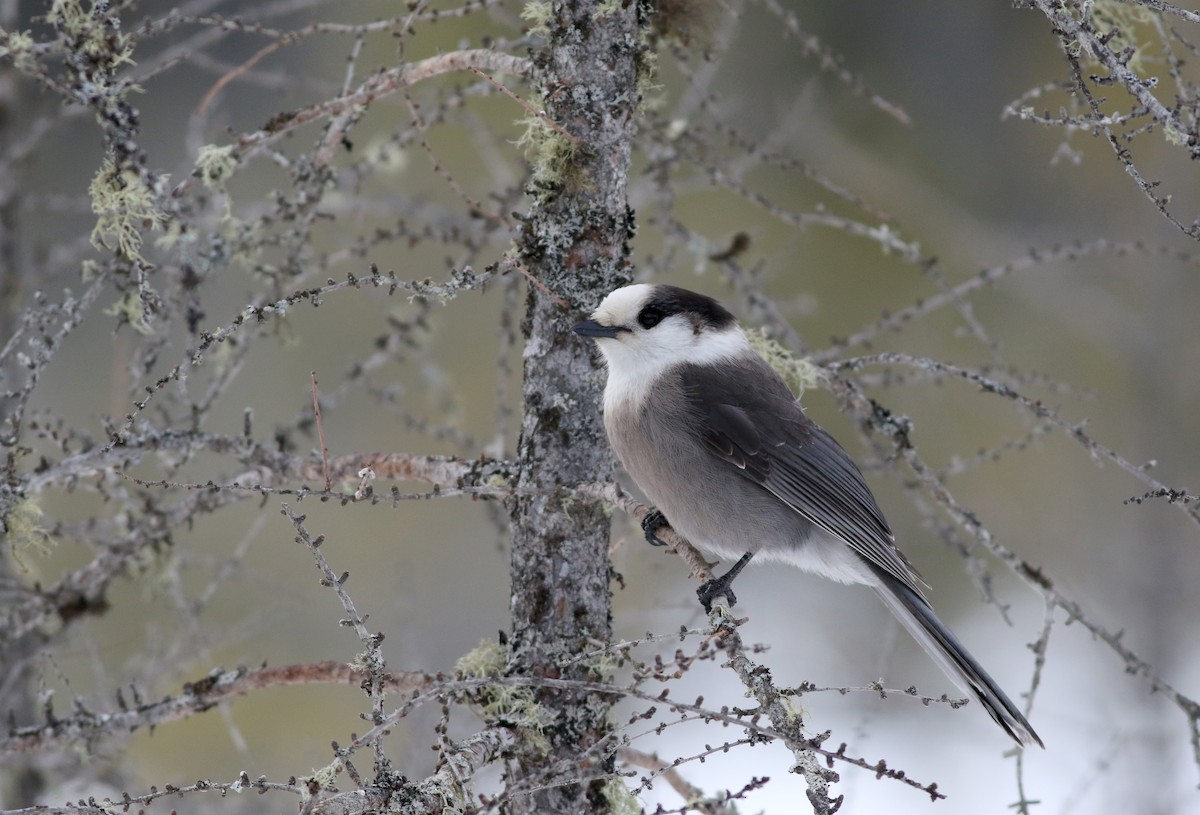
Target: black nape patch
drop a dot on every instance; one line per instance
(705, 312)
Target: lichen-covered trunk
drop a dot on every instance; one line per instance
(575, 242)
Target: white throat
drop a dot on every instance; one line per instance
(635, 362)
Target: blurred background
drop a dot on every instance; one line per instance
(862, 153)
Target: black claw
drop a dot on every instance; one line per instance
(712, 589)
(722, 586)
(650, 524)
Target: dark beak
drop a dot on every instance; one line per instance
(593, 329)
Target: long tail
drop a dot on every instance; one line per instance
(918, 617)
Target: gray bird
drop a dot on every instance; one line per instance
(717, 441)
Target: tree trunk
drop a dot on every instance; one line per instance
(575, 243)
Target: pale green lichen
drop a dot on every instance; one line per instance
(551, 155)
(618, 797)
(485, 660)
(92, 34)
(365, 661)
(603, 663)
(795, 710)
(1127, 20)
(325, 779)
(512, 705)
(19, 48)
(799, 374)
(133, 309)
(173, 232)
(25, 533)
(216, 165)
(649, 96)
(124, 205)
(496, 481)
(538, 14)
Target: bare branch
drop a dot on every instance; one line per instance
(196, 697)
(381, 85)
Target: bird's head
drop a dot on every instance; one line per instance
(643, 330)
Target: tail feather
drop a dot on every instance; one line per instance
(918, 617)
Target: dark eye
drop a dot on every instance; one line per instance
(650, 316)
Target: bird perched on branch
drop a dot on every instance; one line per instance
(714, 437)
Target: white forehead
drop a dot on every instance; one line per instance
(623, 304)
(638, 356)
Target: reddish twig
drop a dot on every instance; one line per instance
(541, 114)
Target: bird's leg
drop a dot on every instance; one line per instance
(718, 586)
(650, 524)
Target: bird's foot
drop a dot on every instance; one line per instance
(722, 586)
(650, 524)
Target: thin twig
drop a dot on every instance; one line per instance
(321, 433)
(540, 114)
(237, 71)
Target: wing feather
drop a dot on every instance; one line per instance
(764, 434)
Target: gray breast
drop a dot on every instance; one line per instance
(706, 500)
